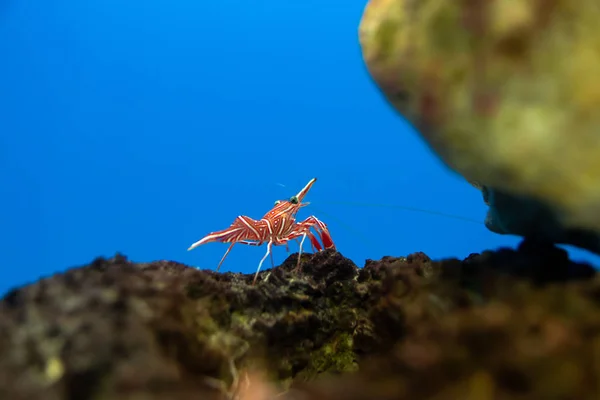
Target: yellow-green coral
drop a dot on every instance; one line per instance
(335, 356)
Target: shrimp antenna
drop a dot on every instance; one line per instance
(400, 207)
(407, 208)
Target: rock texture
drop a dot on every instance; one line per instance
(504, 91)
(507, 324)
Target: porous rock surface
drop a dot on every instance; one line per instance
(503, 324)
(506, 93)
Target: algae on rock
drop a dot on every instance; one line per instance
(401, 328)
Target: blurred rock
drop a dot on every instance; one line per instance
(505, 92)
(511, 214)
(519, 323)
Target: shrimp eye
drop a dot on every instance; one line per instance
(277, 202)
(294, 200)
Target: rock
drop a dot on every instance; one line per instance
(504, 91)
(511, 214)
(115, 329)
(500, 324)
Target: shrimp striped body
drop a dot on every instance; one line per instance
(277, 227)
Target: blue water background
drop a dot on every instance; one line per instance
(140, 126)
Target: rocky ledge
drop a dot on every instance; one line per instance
(503, 324)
